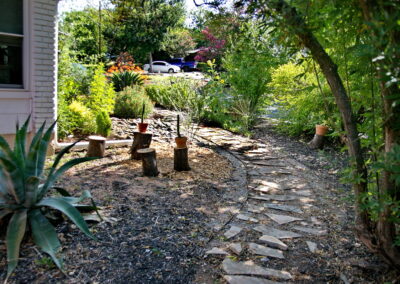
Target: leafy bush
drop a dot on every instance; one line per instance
(101, 93)
(103, 122)
(129, 103)
(121, 80)
(23, 194)
(81, 118)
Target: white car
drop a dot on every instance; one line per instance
(162, 66)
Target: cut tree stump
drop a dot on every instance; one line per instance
(149, 162)
(317, 142)
(181, 159)
(97, 145)
(140, 141)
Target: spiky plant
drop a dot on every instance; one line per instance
(143, 109)
(125, 79)
(23, 194)
(178, 126)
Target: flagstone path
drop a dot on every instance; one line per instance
(276, 213)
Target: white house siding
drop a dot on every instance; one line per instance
(38, 97)
(44, 57)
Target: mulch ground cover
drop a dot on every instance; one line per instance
(155, 229)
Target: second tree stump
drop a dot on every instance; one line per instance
(149, 162)
(181, 159)
(97, 145)
(140, 141)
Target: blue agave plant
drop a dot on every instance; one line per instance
(23, 194)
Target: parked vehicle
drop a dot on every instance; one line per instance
(185, 65)
(162, 66)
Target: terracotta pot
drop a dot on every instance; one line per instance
(180, 142)
(142, 127)
(321, 130)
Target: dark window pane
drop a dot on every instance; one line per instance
(10, 60)
(11, 16)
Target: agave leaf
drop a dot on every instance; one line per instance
(70, 211)
(4, 213)
(32, 184)
(5, 183)
(53, 177)
(4, 147)
(32, 158)
(17, 178)
(76, 200)
(45, 235)
(62, 191)
(44, 143)
(20, 141)
(15, 233)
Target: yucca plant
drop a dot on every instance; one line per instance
(121, 80)
(23, 194)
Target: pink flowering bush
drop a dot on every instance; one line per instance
(213, 50)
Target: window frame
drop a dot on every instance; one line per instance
(8, 90)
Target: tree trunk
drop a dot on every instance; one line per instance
(296, 23)
(97, 145)
(140, 141)
(181, 159)
(386, 230)
(149, 162)
(151, 62)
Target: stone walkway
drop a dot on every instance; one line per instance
(274, 215)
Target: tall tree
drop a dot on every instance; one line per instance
(144, 24)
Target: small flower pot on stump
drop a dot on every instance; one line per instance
(318, 141)
(142, 127)
(181, 157)
(97, 145)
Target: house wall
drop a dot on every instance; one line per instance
(38, 97)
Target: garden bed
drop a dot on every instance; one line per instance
(155, 229)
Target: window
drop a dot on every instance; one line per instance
(11, 43)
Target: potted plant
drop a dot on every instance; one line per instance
(142, 126)
(321, 129)
(180, 140)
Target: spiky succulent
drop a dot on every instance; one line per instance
(124, 79)
(24, 198)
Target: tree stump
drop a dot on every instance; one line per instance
(181, 159)
(317, 142)
(149, 162)
(140, 141)
(97, 145)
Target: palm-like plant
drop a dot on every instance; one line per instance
(23, 192)
(121, 80)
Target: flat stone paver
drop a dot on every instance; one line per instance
(246, 268)
(316, 232)
(268, 197)
(312, 246)
(282, 207)
(233, 279)
(282, 219)
(273, 242)
(217, 251)
(280, 234)
(245, 217)
(265, 251)
(233, 231)
(236, 248)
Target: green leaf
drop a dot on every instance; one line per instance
(68, 210)
(20, 141)
(42, 152)
(53, 177)
(32, 184)
(17, 178)
(45, 235)
(4, 213)
(32, 158)
(15, 233)
(75, 200)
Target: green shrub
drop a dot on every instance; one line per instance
(121, 80)
(101, 94)
(81, 119)
(103, 122)
(129, 103)
(24, 194)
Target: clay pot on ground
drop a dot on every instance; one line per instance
(180, 142)
(321, 130)
(142, 127)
